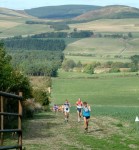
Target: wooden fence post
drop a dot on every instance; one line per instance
(2, 119)
(19, 121)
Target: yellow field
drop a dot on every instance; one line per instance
(109, 25)
(8, 24)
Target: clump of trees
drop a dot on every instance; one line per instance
(68, 64)
(36, 57)
(37, 63)
(74, 34)
(135, 61)
(51, 35)
(55, 25)
(59, 26)
(35, 44)
(81, 34)
(115, 35)
(14, 81)
(112, 67)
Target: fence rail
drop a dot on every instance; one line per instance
(10, 97)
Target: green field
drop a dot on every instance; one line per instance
(114, 99)
(109, 95)
(122, 91)
(102, 49)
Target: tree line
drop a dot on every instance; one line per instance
(37, 63)
(55, 25)
(74, 34)
(34, 44)
(70, 65)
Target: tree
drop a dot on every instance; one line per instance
(89, 69)
(12, 80)
(135, 60)
(130, 35)
(68, 64)
(79, 64)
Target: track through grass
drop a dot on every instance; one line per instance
(49, 131)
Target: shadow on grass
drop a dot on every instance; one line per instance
(95, 130)
(41, 126)
(43, 116)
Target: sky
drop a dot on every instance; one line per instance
(27, 4)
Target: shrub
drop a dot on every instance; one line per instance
(68, 64)
(41, 96)
(114, 70)
(89, 69)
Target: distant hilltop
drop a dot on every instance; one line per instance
(75, 12)
(60, 12)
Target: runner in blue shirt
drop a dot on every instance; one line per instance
(86, 114)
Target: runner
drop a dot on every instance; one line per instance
(66, 110)
(86, 114)
(55, 108)
(79, 105)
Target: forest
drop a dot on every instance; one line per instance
(34, 44)
(36, 57)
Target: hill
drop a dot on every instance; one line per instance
(110, 12)
(5, 12)
(60, 12)
(90, 50)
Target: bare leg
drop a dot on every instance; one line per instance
(78, 115)
(85, 122)
(66, 116)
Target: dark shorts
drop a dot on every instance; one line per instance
(79, 109)
(87, 117)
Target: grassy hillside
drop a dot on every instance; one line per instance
(64, 11)
(110, 12)
(4, 12)
(90, 49)
(109, 25)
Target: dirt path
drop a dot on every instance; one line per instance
(49, 132)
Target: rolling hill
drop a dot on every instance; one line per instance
(110, 12)
(5, 12)
(60, 12)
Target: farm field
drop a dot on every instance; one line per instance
(14, 25)
(90, 59)
(102, 49)
(108, 95)
(109, 25)
(23, 29)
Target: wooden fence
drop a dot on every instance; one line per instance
(10, 97)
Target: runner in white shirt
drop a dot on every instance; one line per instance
(79, 105)
(66, 110)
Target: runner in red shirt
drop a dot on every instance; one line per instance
(79, 105)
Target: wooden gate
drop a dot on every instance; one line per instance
(10, 97)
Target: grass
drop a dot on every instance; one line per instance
(109, 25)
(109, 91)
(25, 29)
(114, 103)
(98, 58)
(50, 132)
(90, 49)
(113, 95)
